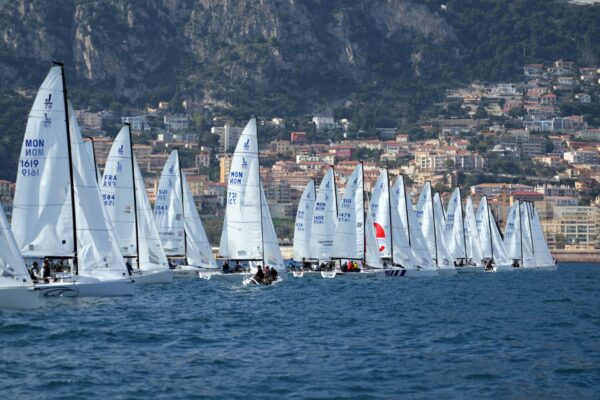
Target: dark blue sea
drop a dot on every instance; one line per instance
(519, 335)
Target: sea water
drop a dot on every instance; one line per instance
(528, 334)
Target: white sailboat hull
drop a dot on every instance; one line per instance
(328, 274)
(410, 273)
(218, 275)
(86, 287)
(152, 277)
(19, 297)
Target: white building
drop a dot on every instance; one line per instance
(176, 122)
(228, 136)
(322, 123)
(138, 123)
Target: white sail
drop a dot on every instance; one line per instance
(152, 255)
(513, 233)
(491, 240)
(380, 214)
(455, 234)
(324, 219)
(445, 259)
(244, 225)
(272, 255)
(116, 187)
(89, 147)
(348, 242)
(303, 224)
(408, 215)
(168, 211)
(223, 250)
(198, 249)
(526, 237)
(98, 253)
(543, 257)
(403, 254)
(472, 237)
(13, 271)
(42, 216)
(430, 218)
(372, 256)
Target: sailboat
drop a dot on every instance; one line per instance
(541, 254)
(249, 231)
(124, 194)
(178, 222)
(411, 253)
(324, 222)
(58, 210)
(303, 227)
(456, 237)
(354, 238)
(430, 216)
(16, 286)
(524, 238)
(472, 239)
(493, 251)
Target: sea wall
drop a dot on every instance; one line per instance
(588, 256)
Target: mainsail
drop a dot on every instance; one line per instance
(324, 219)
(303, 224)
(349, 239)
(168, 208)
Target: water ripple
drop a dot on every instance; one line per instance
(521, 335)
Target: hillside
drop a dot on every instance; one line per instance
(285, 56)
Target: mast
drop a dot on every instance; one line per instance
(182, 206)
(462, 219)
(434, 227)
(94, 156)
(362, 171)
(387, 175)
(520, 230)
(262, 229)
(406, 209)
(135, 208)
(70, 152)
(334, 192)
(487, 206)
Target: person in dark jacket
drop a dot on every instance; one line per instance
(259, 277)
(274, 274)
(46, 271)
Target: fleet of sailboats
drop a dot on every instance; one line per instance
(63, 209)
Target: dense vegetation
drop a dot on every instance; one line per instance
(358, 60)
